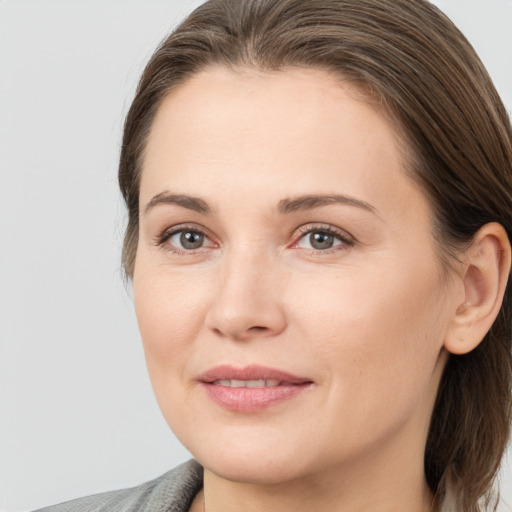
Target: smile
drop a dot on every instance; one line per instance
(251, 389)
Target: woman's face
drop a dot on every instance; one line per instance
(290, 301)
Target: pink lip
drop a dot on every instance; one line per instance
(251, 399)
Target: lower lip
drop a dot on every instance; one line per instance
(252, 399)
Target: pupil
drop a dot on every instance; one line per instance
(191, 240)
(321, 240)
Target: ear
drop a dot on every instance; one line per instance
(485, 273)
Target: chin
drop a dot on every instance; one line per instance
(256, 471)
(252, 461)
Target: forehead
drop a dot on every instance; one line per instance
(293, 131)
(219, 97)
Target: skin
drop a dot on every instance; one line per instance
(366, 320)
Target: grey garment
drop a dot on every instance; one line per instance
(172, 492)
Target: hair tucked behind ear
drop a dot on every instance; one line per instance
(423, 71)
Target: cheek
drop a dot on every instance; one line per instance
(388, 300)
(379, 333)
(170, 312)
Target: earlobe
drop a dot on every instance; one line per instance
(485, 274)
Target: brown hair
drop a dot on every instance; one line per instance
(426, 74)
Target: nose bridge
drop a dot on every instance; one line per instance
(247, 300)
(243, 265)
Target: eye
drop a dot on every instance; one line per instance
(188, 240)
(319, 241)
(323, 239)
(185, 240)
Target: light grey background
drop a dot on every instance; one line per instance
(77, 414)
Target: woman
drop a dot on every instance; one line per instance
(319, 198)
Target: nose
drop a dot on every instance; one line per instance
(247, 301)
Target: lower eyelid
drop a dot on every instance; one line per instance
(342, 246)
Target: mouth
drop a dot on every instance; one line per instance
(260, 383)
(251, 389)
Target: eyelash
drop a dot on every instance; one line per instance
(346, 240)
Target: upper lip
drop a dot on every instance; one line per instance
(252, 372)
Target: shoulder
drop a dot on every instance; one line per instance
(171, 492)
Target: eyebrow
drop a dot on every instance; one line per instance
(309, 202)
(285, 206)
(191, 203)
